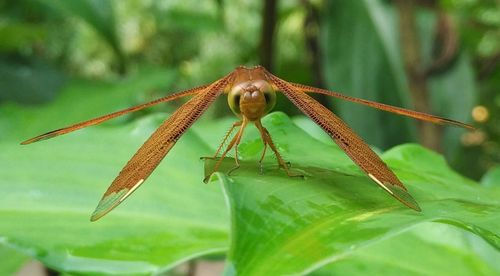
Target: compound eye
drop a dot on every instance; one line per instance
(233, 99)
(270, 97)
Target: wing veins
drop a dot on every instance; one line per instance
(98, 120)
(385, 107)
(156, 147)
(348, 141)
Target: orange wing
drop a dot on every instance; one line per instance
(348, 141)
(106, 117)
(149, 155)
(385, 107)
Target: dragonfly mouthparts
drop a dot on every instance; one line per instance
(250, 88)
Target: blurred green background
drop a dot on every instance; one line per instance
(435, 56)
(66, 61)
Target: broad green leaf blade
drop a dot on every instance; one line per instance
(12, 261)
(454, 96)
(49, 190)
(81, 100)
(362, 59)
(426, 249)
(291, 226)
(452, 92)
(492, 177)
(312, 129)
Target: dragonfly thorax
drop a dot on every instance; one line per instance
(252, 99)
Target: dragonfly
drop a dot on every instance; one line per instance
(251, 94)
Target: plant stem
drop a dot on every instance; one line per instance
(269, 16)
(311, 33)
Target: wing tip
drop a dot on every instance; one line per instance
(469, 127)
(25, 142)
(108, 203)
(31, 140)
(404, 197)
(399, 192)
(458, 124)
(96, 216)
(45, 136)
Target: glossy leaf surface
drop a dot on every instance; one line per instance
(492, 177)
(50, 189)
(12, 260)
(279, 224)
(426, 249)
(296, 226)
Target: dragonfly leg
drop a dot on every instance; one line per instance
(231, 144)
(228, 134)
(266, 137)
(236, 158)
(262, 157)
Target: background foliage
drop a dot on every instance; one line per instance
(66, 61)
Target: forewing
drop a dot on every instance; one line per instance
(348, 141)
(106, 117)
(385, 107)
(149, 155)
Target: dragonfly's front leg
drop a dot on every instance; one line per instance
(228, 134)
(235, 141)
(262, 156)
(266, 138)
(236, 158)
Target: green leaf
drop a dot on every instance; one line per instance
(286, 225)
(492, 177)
(188, 20)
(49, 190)
(12, 260)
(451, 92)
(81, 100)
(278, 224)
(98, 14)
(362, 59)
(15, 36)
(29, 82)
(426, 249)
(453, 96)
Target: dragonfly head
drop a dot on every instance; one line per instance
(252, 99)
